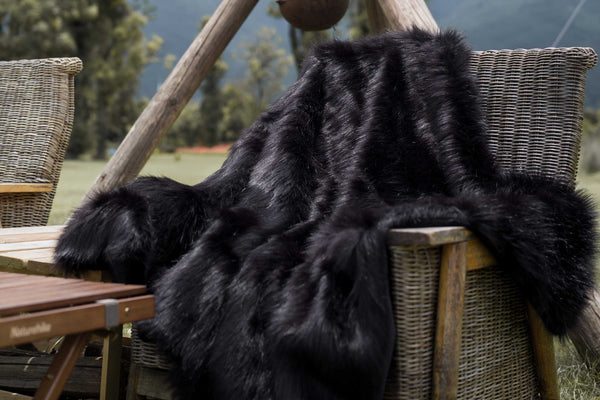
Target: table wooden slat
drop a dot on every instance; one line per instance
(75, 298)
(47, 292)
(31, 230)
(29, 250)
(46, 268)
(44, 291)
(28, 254)
(27, 237)
(30, 234)
(37, 244)
(30, 257)
(63, 321)
(47, 259)
(30, 245)
(24, 280)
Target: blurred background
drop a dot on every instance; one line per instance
(129, 46)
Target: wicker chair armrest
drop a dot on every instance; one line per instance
(478, 256)
(434, 236)
(25, 187)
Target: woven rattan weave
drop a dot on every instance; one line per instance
(533, 102)
(496, 356)
(145, 353)
(36, 116)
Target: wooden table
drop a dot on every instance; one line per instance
(30, 250)
(34, 306)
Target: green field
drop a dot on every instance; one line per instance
(77, 177)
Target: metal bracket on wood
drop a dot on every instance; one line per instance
(111, 313)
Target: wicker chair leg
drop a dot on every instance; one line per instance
(132, 382)
(451, 297)
(543, 350)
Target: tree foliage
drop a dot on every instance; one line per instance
(359, 20)
(300, 41)
(224, 111)
(211, 106)
(590, 157)
(267, 65)
(107, 35)
(185, 130)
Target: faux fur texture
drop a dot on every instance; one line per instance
(271, 276)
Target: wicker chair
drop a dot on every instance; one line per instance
(533, 100)
(444, 278)
(36, 116)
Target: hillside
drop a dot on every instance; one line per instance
(177, 23)
(487, 25)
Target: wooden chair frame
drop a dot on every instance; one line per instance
(462, 252)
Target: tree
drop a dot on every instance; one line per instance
(204, 126)
(266, 66)
(185, 130)
(225, 111)
(300, 41)
(590, 146)
(107, 35)
(237, 114)
(358, 19)
(211, 107)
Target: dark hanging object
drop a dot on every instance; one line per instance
(313, 15)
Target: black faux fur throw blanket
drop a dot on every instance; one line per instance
(271, 276)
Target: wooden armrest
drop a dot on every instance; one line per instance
(25, 187)
(428, 236)
(478, 256)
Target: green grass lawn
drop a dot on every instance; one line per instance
(577, 381)
(590, 183)
(77, 177)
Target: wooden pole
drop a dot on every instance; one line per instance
(173, 95)
(399, 15)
